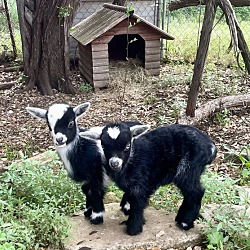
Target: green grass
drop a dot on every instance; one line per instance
(35, 199)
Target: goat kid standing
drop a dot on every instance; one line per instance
(139, 163)
(82, 157)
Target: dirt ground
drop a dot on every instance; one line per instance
(155, 101)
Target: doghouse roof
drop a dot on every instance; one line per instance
(103, 20)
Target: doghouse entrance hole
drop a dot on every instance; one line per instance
(117, 47)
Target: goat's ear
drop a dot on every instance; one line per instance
(37, 112)
(81, 109)
(92, 133)
(139, 130)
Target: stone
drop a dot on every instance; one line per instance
(111, 234)
(197, 248)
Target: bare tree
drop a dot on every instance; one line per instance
(44, 26)
(237, 42)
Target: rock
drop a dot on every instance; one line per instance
(111, 234)
(197, 248)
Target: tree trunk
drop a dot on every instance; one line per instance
(175, 5)
(216, 105)
(44, 26)
(243, 48)
(201, 56)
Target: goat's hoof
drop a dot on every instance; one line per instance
(185, 226)
(87, 213)
(97, 220)
(125, 211)
(134, 231)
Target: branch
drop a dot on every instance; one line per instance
(217, 105)
(187, 3)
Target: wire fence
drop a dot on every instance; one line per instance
(6, 45)
(184, 24)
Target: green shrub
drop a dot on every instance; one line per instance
(35, 199)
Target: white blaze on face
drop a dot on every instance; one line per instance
(55, 113)
(113, 132)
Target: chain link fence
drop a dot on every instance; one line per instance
(6, 45)
(186, 24)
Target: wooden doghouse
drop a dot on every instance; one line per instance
(104, 36)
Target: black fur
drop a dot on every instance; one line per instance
(82, 157)
(176, 153)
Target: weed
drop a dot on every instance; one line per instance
(150, 99)
(135, 117)
(223, 117)
(64, 11)
(177, 107)
(230, 225)
(10, 153)
(242, 157)
(230, 229)
(85, 87)
(22, 78)
(167, 197)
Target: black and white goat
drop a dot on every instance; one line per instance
(82, 157)
(140, 162)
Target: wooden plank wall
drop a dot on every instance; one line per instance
(100, 65)
(94, 64)
(152, 56)
(85, 62)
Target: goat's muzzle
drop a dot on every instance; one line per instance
(115, 164)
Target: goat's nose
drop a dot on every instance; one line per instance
(59, 140)
(115, 163)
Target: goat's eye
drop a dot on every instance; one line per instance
(71, 124)
(127, 147)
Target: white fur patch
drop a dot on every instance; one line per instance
(213, 149)
(183, 224)
(127, 206)
(87, 209)
(115, 160)
(96, 215)
(114, 132)
(56, 112)
(63, 153)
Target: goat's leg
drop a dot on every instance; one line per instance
(97, 194)
(136, 218)
(86, 191)
(189, 210)
(125, 206)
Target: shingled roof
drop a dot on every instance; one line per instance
(103, 20)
